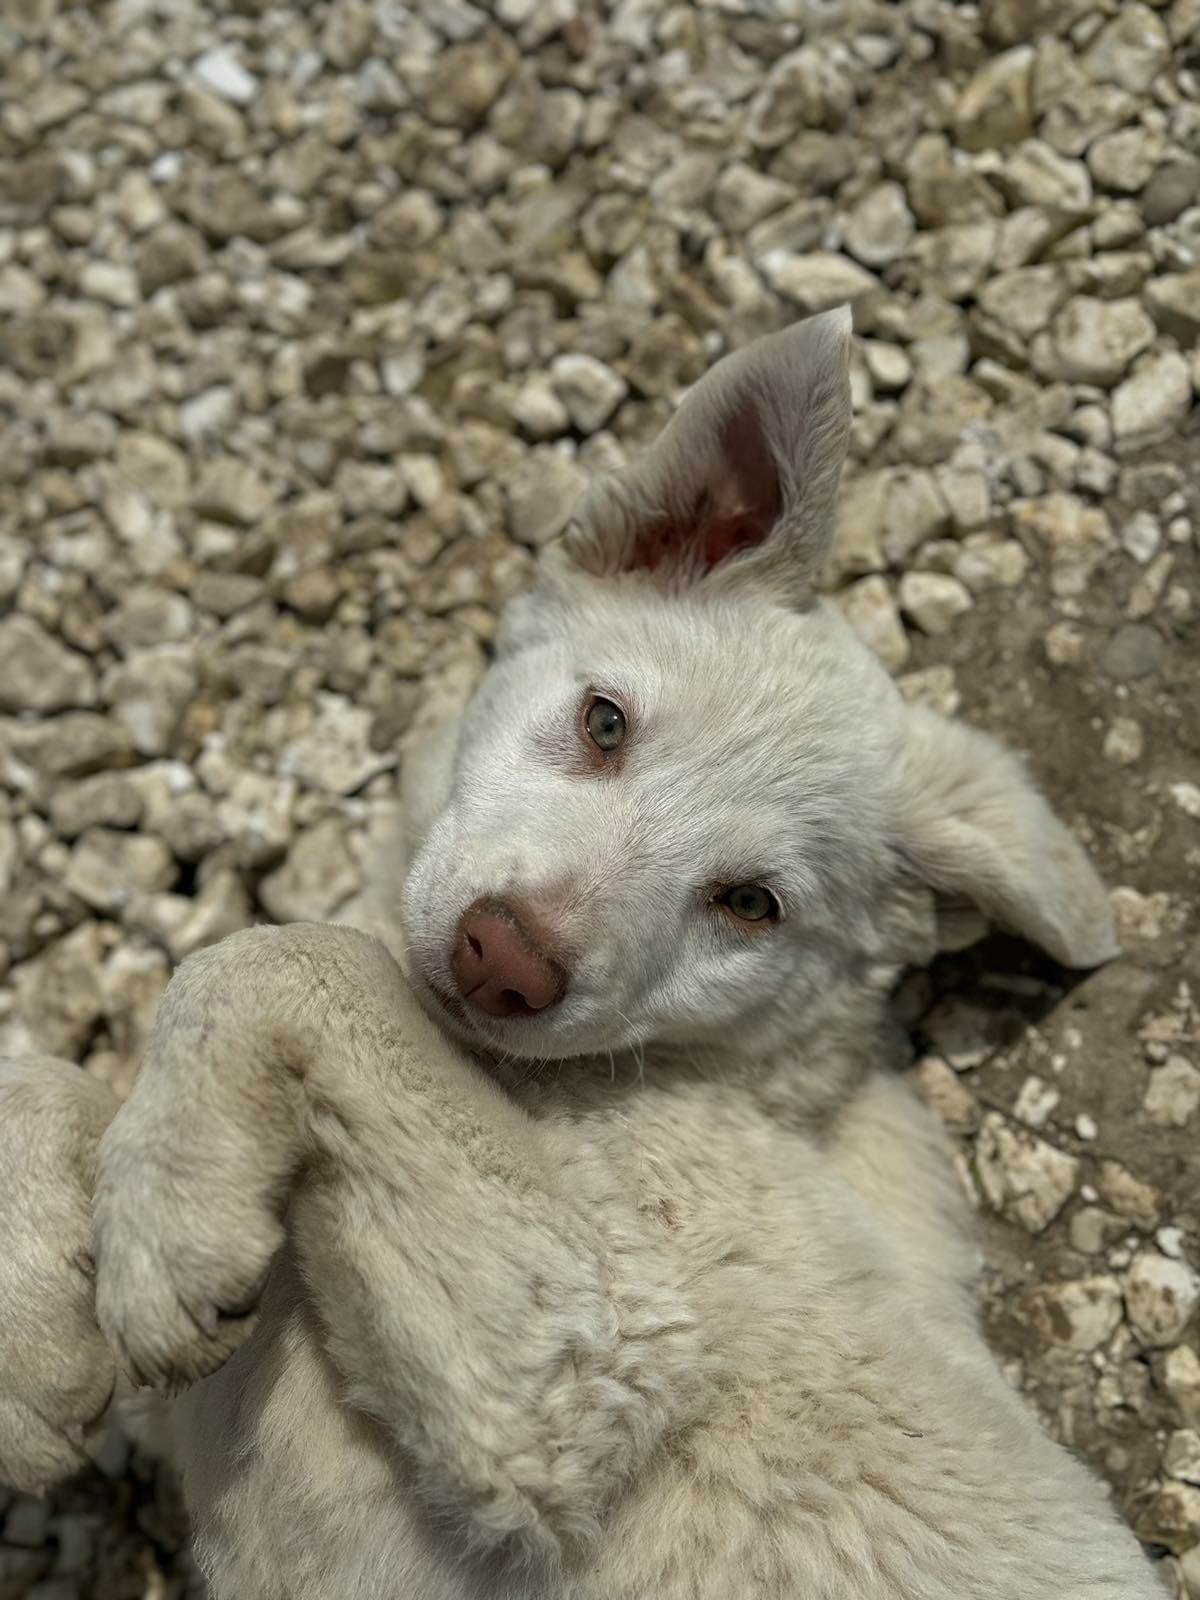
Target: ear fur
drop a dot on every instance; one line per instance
(743, 480)
(975, 827)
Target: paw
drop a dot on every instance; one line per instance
(182, 1257)
(58, 1371)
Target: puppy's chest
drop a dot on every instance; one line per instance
(708, 1182)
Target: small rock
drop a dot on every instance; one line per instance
(1141, 917)
(1076, 537)
(888, 365)
(934, 686)
(1131, 51)
(995, 109)
(1124, 742)
(1187, 797)
(590, 390)
(1154, 401)
(319, 875)
(220, 72)
(1171, 1517)
(880, 226)
(1141, 537)
(38, 673)
(537, 409)
(107, 868)
(1172, 1093)
(986, 562)
(817, 282)
(1082, 1314)
(232, 491)
(933, 600)
(1171, 190)
(1036, 175)
(1181, 1458)
(1134, 651)
(467, 81)
(1022, 1176)
(116, 285)
(1063, 644)
(944, 1092)
(1092, 1229)
(955, 259)
(1181, 1378)
(1174, 302)
(1123, 161)
(1094, 341)
(1160, 1296)
(744, 196)
(871, 611)
(335, 754)
(543, 490)
(1035, 1102)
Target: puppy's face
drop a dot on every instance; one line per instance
(686, 800)
(662, 817)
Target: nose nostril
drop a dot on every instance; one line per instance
(498, 968)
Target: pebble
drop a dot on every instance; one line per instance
(870, 608)
(818, 281)
(1094, 341)
(220, 72)
(933, 600)
(543, 491)
(1022, 1176)
(1160, 1296)
(1153, 401)
(38, 673)
(1082, 1314)
(589, 390)
(1124, 742)
(1172, 1095)
(880, 226)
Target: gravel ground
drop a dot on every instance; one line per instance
(313, 318)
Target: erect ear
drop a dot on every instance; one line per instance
(744, 476)
(974, 827)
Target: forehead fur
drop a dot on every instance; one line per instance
(782, 721)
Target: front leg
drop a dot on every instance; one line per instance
(497, 1306)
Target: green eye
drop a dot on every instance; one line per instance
(606, 725)
(750, 902)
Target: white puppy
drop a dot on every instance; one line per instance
(594, 1259)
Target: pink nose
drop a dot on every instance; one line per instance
(498, 967)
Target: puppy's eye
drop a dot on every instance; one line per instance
(750, 902)
(605, 724)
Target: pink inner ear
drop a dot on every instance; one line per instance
(734, 504)
(709, 538)
(736, 532)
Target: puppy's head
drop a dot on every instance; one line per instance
(686, 799)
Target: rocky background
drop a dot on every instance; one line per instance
(313, 317)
